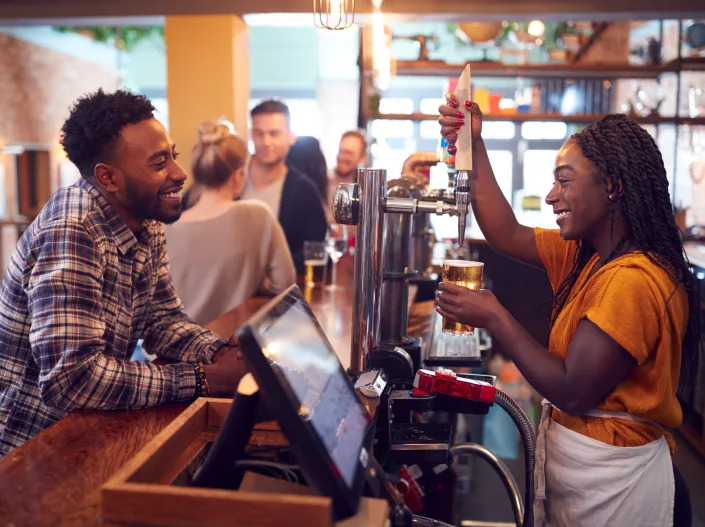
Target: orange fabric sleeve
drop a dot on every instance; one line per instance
(625, 306)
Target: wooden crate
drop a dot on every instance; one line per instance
(141, 493)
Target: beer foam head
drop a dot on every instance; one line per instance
(463, 263)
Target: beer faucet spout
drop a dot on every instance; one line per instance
(462, 201)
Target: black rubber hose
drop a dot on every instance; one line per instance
(528, 439)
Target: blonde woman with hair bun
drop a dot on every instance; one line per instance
(224, 251)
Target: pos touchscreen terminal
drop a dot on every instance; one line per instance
(305, 387)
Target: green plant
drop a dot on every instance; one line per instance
(124, 37)
(549, 40)
(373, 101)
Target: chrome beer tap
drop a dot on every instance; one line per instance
(463, 158)
(364, 204)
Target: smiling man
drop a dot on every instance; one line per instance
(352, 153)
(90, 277)
(291, 196)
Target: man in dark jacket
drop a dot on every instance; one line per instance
(290, 194)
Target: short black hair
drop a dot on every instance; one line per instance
(94, 124)
(272, 106)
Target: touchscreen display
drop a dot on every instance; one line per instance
(297, 352)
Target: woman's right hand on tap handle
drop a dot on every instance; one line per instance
(452, 118)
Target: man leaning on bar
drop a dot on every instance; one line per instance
(90, 276)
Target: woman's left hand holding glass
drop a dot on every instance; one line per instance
(477, 308)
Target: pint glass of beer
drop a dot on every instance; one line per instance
(466, 274)
(316, 262)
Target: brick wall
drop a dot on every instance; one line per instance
(37, 87)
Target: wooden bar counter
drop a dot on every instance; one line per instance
(55, 478)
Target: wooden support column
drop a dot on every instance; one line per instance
(208, 76)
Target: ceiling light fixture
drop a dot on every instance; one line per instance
(333, 14)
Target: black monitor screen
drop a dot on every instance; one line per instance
(294, 346)
(308, 391)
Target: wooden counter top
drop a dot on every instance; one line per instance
(55, 478)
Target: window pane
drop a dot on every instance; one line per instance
(538, 171)
(306, 117)
(543, 130)
(391, 154)
(389, 105)
(382, 128)
(498, 130)
(530, 203)
(431, 105)
(502, 162)
(430, 130)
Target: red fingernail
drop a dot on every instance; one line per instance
(454, 104)
(460, 122)
(459, 114)
(468, 104)
(457, 127)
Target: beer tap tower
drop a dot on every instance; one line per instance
(365, 204)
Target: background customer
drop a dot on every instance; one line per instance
(223, 251)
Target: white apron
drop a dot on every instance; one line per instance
(590, 483)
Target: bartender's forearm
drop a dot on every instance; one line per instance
(543, 370)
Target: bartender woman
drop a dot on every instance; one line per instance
(624, 327)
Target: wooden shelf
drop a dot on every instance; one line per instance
(690, 63)
(498, 69)
(526, 117)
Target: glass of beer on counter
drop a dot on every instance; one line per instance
(464, 273)
(316, 262)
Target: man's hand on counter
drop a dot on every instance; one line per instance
(227, 369)
(234, 342)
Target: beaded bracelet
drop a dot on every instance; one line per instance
(202, 388)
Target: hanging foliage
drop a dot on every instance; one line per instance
(123, 37)
(510, 33)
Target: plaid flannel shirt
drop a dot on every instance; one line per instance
(80, 289)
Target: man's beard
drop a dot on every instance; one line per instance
(148, 208)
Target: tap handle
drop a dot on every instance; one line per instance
(463, 155)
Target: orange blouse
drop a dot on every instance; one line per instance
(636, 303)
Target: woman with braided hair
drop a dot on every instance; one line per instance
(624, 329)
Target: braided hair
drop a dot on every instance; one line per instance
(627, 155)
